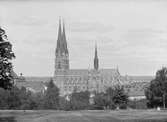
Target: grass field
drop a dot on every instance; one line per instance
(87, 116)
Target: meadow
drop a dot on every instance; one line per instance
(85, 116)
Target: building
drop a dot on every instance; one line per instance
(68, 80)
(94, 80)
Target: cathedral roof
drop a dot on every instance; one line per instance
(86, 71)
(109, 72)
(78, 72)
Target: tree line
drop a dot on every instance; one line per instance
(23, 99)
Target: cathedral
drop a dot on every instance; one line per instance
(68, 80)
(93, 80)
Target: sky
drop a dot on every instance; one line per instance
(130, 34)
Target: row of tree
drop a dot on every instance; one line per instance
(22, 99)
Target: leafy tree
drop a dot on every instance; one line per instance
(14, 100)
(38, 100)
(80, 100)
(65, 104)
(51, 97)
(156, 93)
(110, 93)
(23, 96)
(4, 98)
(114, 96)
(100, 101)
(27, 99)
(120, 98)
(6, 55)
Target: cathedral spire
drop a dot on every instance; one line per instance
(64, 39)
(59, 33)
(59, 37)
(62, 56)
(96, 60)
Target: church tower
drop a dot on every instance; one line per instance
(61, 53)
(96, 60)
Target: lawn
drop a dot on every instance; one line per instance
(87, 116)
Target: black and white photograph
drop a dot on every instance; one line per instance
(83, 60)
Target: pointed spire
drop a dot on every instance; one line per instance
(96, 60)
(96, 50)
(64, 35)
(59, 32)
(59, 37)
(64, 39)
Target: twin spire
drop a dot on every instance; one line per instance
(61, 42)
(62, 45)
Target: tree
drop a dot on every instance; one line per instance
(51, 97)
(101, 101)
(110, 93)
(80, 100)
(120, 98)
(14, 100)
(28, 100)
(156, 93)
(4, 98)
(114, 97)
(65, 104)
(6, 55)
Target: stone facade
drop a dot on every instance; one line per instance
(68, 80)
